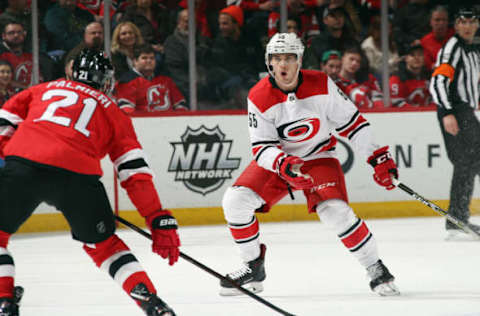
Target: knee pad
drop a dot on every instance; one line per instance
(239, 204)
(336, 214)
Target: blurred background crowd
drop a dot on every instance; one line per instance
(148, 41)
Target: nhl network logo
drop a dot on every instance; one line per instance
(201, 160)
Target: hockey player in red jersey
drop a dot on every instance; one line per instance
(53, 136)
(292, 115)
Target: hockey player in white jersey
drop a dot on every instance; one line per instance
(293, 115)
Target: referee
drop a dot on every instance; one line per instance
(455, 89)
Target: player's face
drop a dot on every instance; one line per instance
(466, 28)
(332, 67)
(285, 68)
(5, 75)
(145, 62)
(126, 36)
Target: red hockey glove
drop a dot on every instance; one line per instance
(164, 235)
(289, 169)
(384, 167)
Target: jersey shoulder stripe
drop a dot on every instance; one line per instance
(314, 83)
(263, 95)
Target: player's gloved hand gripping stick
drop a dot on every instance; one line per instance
(288, 169)
(384, 166)
(164, 235)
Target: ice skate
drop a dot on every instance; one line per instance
(381, 280)
(454, 233)
(151, 304)
(9, 306)
(250, 276)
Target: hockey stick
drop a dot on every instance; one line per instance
(207, 269)
(461, 224)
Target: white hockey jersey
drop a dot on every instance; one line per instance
(303, 122)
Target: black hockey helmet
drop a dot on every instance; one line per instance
(466, 13)
(93, 68)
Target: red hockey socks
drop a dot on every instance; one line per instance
(7, 267)
(114, 257)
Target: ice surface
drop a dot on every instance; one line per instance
(309, 272)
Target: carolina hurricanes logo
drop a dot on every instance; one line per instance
(299, 131)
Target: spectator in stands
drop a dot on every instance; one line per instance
(96, 8)
(92, 39)
(19, 11)
(352, 18)
(66, 23)
(300, 13)
(153, 21)
(357, 82)
(409, 85)
(372, 47)
(336, 36)
(177, 57)
(141, 91)
(440, 34)
(6, 75)
(13, 50)
(125, 36)
(235, 60)
(332, 64)
(205, 18)
(410, 24)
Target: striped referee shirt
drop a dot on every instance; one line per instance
(455, 81)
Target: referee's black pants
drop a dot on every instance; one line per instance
(463, 151)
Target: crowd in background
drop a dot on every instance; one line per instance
(149, 47)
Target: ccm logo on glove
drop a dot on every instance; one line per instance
(384, 167)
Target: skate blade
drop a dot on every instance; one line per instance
(387, 289)
(255, 287)
(459, 235)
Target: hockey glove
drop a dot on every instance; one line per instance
(384, 167)
(164, 235)
(289, 170)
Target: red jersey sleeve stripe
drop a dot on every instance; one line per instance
(353, 126)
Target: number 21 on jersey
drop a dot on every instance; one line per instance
(69, 98)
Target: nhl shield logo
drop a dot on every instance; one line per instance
(201, 160)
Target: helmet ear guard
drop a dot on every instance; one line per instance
(284, 43)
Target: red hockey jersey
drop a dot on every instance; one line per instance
(69, 125)
(135, 92)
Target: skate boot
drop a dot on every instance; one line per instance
(381, 280)
(454, 233)
(9, 306)
(151, 304)
(250, 276)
